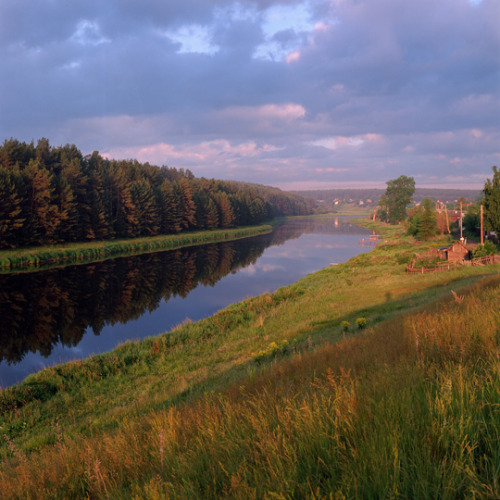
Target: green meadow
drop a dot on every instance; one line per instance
(358, 381)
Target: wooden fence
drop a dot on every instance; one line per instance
(373, 239)
(446, 266)
(481, 261)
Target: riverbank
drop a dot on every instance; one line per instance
(301, 392)
(354, 211)
(83, 253)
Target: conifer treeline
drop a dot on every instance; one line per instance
(55, 194)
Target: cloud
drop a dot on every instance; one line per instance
(335, 143)
(88, 33)
(285, 27)
(192, 38)
(222, 156)
(296, 92)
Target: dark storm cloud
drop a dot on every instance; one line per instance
(312, 91)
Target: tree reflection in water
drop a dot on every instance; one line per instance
(42, 309)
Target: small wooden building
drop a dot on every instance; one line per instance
(457, 252)
(493, 236)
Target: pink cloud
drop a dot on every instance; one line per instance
(320, 26)
(293, 57)
(337, 142)
(204, 155)
(283, 112)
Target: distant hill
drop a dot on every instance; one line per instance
(357, 195)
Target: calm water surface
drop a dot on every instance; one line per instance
(58, 315)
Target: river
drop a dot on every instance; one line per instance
(58, 315)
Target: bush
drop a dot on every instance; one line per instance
(403, 258)
(423, 262)
(361, 323)
(345, 325)
(488, 248)
(272, 350)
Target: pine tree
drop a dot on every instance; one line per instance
(184, 193)
(144, 202)
(76, 177)
(170, 217)
(100, 219)
(11, 210)
(13, 153)
(42, 223)
(257, 211)
(226, 215)
(43, 152)
(211, 214)
(124, 212)
(66, 214)
(426, 223)
(492, 202)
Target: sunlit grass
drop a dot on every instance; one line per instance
(276, 396)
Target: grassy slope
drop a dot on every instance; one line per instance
(148, 418)
(85, 252)
(353, 210)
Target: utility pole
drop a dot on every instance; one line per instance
(482, 230)
(447, 220)
(461, 232)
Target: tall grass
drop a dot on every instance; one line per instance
(411, 409)
(265, 399)
(81, 253)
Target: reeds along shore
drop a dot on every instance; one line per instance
(407, 407)
(88, 252)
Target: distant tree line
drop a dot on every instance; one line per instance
(55, 194)
(355, 195)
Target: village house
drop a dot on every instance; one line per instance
(456, 252)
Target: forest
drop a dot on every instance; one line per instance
(56, 194)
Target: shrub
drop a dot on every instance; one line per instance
(423, 262)
(345, 325)
(361, 323)
(488, 248)
(272, 350)
(403, 258)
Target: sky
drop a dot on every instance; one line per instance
(298, 94)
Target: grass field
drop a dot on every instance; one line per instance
(358, 381)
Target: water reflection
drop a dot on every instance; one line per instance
(47, 309)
